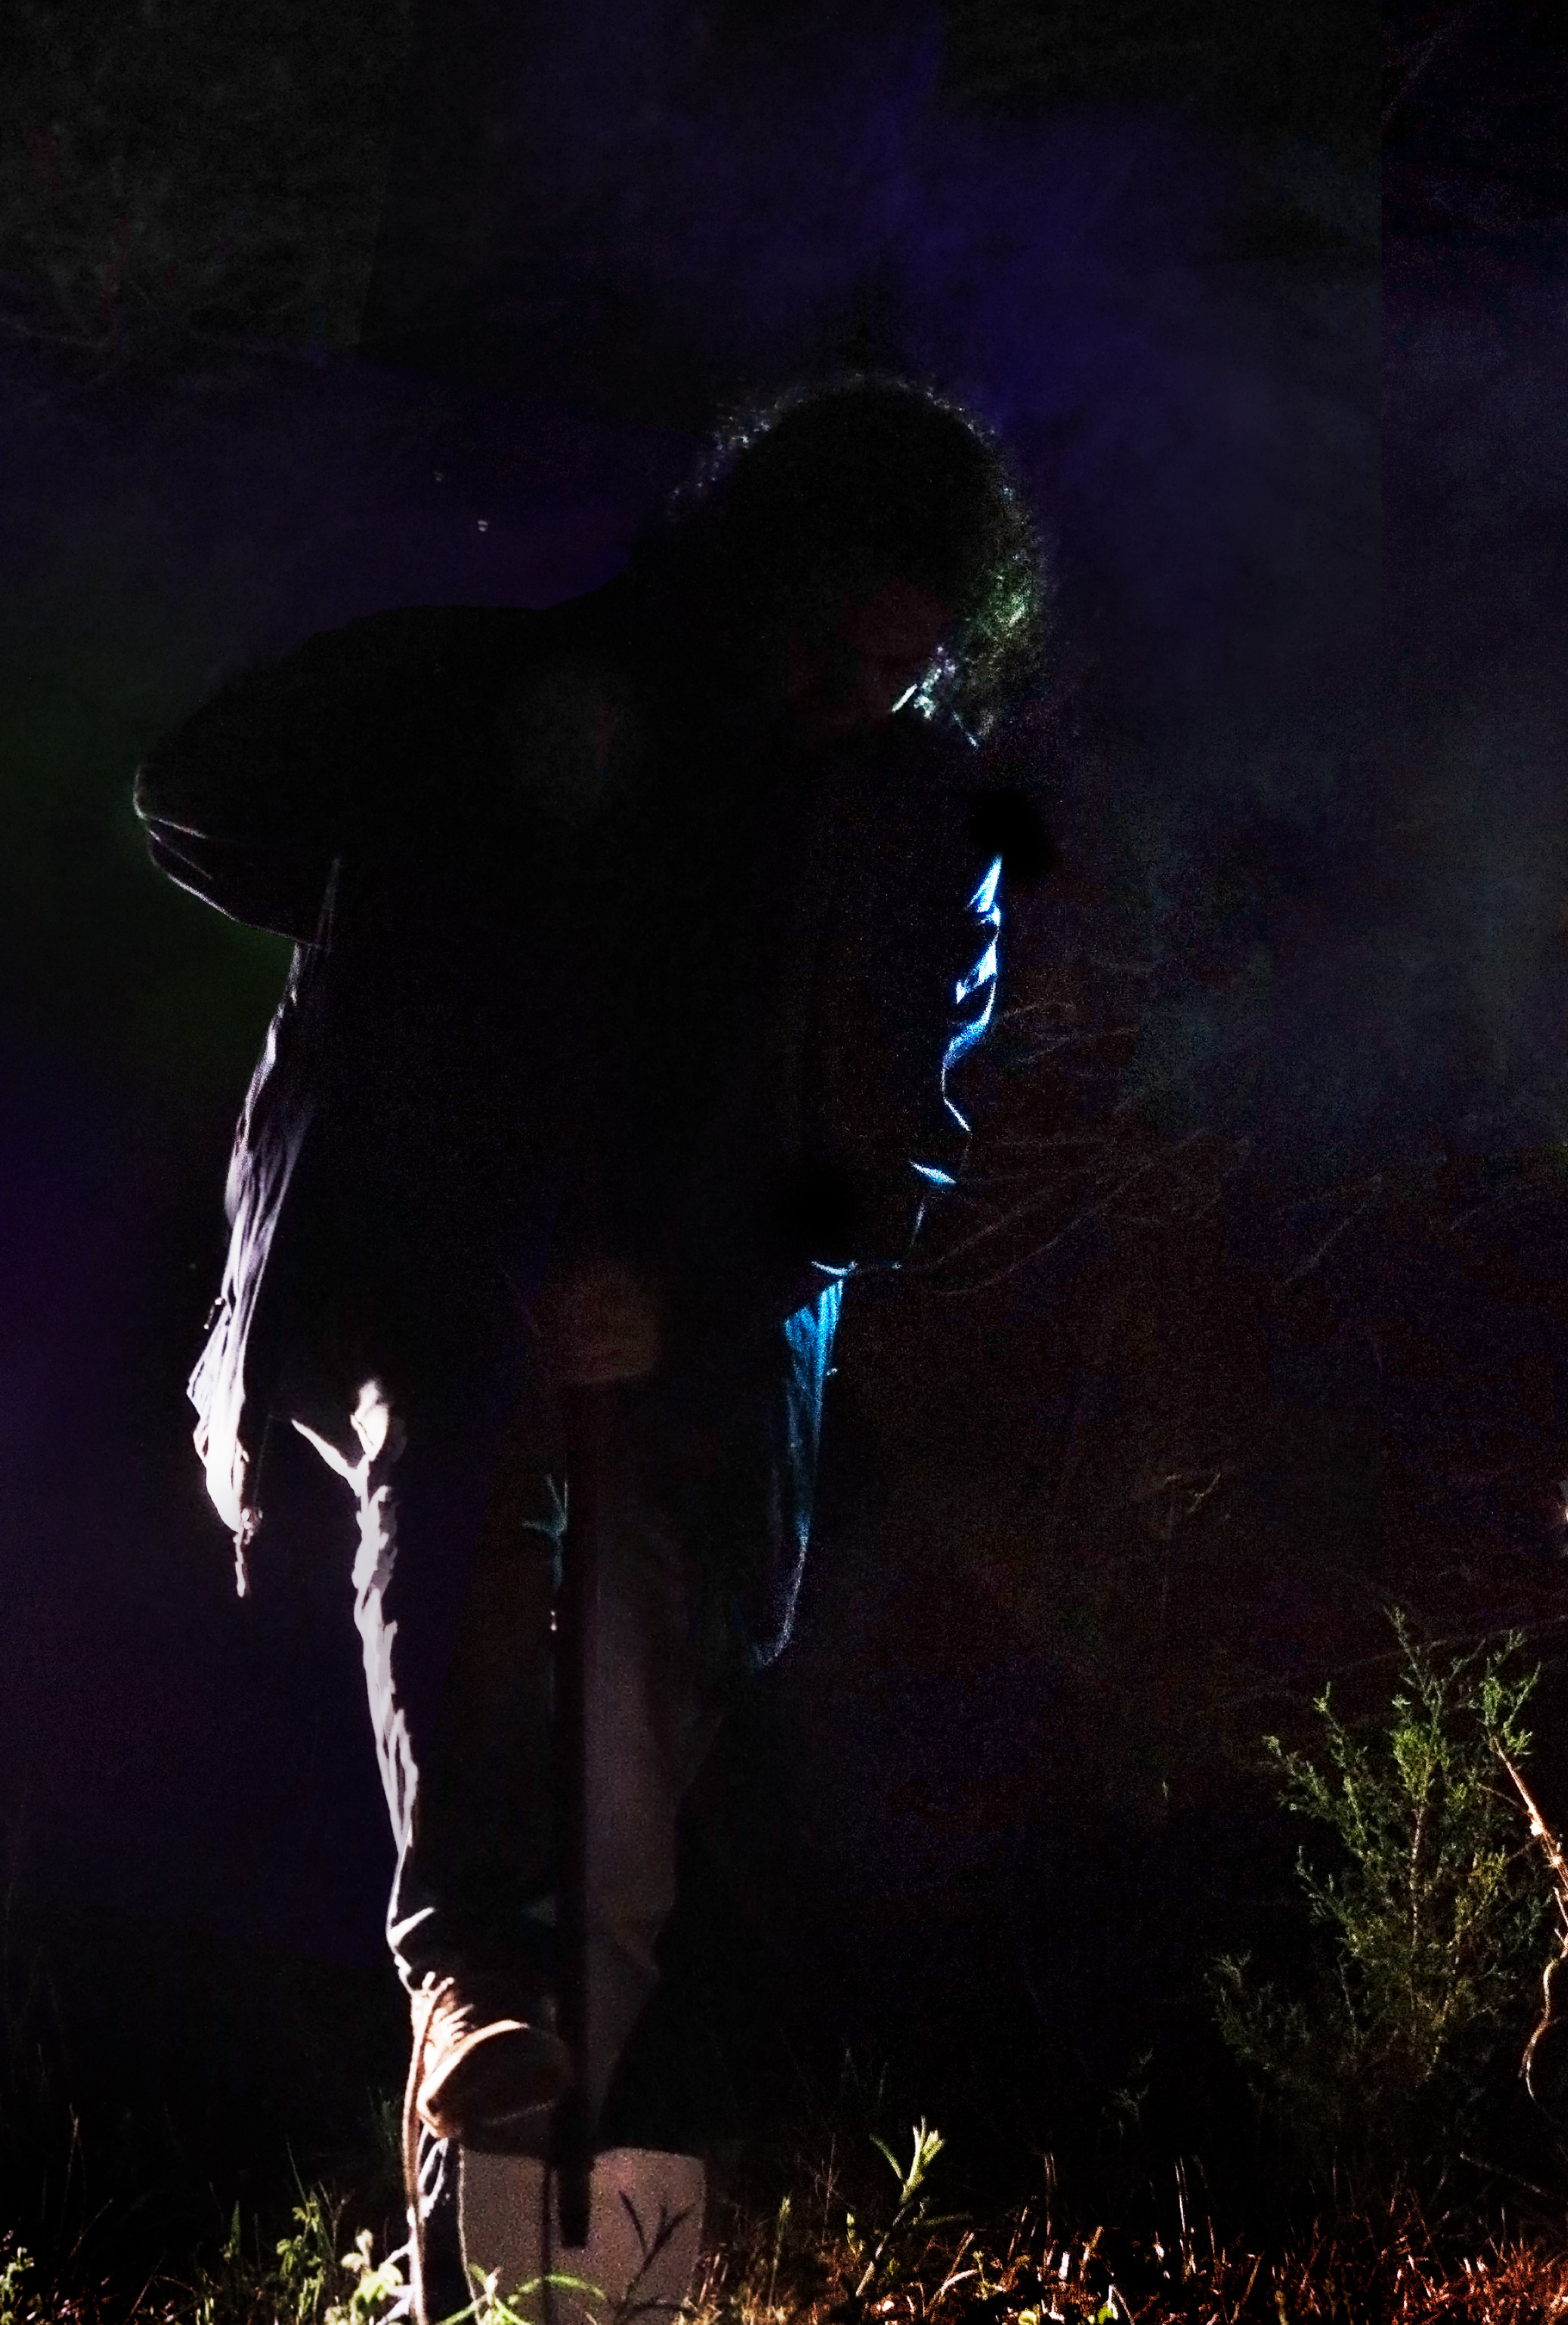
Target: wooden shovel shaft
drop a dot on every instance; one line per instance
(572, 2145)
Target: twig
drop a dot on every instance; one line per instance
(1329, 1241)
(1371, 1663)
(1501, 2171)
(1080, 1219)
(1425, 52)
(1559, 1864)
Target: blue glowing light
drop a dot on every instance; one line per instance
(984, 899)
(982, 972)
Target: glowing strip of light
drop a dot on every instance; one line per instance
(982, 972)
(985, 897)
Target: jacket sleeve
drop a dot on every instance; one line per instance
(248, 802)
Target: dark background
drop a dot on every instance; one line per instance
(305, 314)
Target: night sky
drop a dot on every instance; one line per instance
(1297, 437)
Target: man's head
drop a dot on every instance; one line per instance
(852, 542)
(879, 649)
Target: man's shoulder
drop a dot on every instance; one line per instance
(474, 641)
(566, 696)
(524, 694)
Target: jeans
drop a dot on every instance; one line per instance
(454, 1586)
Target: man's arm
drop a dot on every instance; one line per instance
(315, 756)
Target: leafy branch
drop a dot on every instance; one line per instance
(1432, 1913)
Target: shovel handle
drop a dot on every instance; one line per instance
(572, 2131)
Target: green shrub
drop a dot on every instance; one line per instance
(1429, 1914)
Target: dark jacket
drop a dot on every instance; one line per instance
(562, 914)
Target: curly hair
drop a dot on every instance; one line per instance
(834, 487)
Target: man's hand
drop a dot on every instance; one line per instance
(600, 1325)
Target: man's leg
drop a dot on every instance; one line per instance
(474, 1891)
(454, 1578)
(475, 1887)
(453, 1599)
(460, 1703)
(652, 1715)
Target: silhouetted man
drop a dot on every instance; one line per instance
(635, 939)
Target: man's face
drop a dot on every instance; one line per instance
(878, 648)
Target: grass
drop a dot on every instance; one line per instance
(838, 2217)
(834, 2248)
(1035, 2263)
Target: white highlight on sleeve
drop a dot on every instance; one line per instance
(983, 973)
(984, 899)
